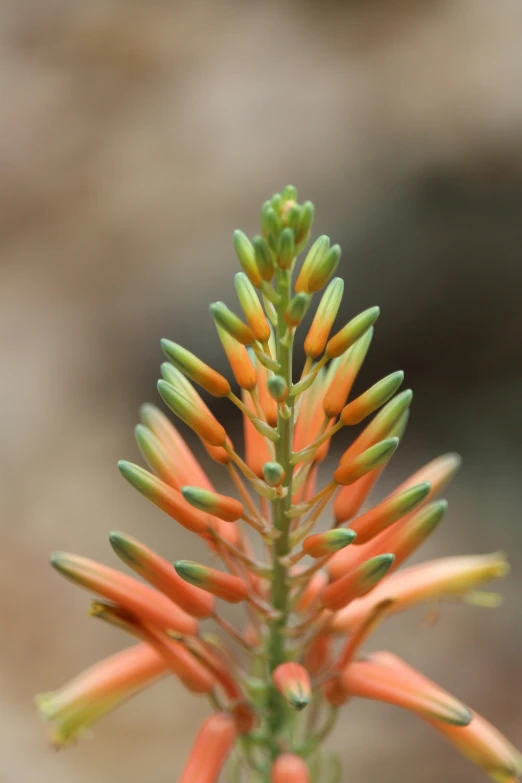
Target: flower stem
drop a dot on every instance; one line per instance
(280, 585)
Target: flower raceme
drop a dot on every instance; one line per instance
(311, 598)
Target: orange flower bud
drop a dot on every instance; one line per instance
(198, 419)
(293, 683)
(226, 586)
(334, 692)
(397, 505)
(168, 499)
(232, 324)
(185, 469)
(239, 360)
(350, 333)
(98, 690)
(209, 752)
(162, 575)
(349, 472)
(226, 508)
(140, 600)
(356, 583)
(373, 398)
(267, 402)
(324, 318)
(252, 308)
(189, 364)
(288, 768)
(343, 374)
(439, 472)
(322, 544)
(369, 680)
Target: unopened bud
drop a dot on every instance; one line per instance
(221, 506)
(201, 421)
(350, 471)
(264, 258)
(288, 768)
(322, 544)
(296, 310)
(356, 583)
(350, 333)
(189, 364)
(246, 255)
(293, 683)
(252, 308)
(324, 318)
(239, 360)
(286, 249)
(273, 473)
(226, 586)
(315, 258)
(278, 388)
(373, 398)
(231, 323)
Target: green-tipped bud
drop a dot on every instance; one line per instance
(270, 224)
(277, 388)
(264, 258)
(220, 506)
(356, 582)
(289, 193)
(196, 417)
(396, 506)
(189, 364)
(322, 272)
(292, 218)
(247, 259)
(286, 249)
(314, 259)
(351, 470)
(273, 473)
(252, 308)
(417, 529)
(373, 398)
(293, 683)
(323, 544)
(231, 323)
(226, 586)
(276, 201)
(324, 318)
(154, 454)
(306, 219)
(350, 333)
(296, 310)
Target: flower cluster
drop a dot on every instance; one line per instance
(311, 599)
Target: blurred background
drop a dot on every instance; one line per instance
(134, 138)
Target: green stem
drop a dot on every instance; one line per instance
(280, 583)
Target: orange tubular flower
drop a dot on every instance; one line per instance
(162, 575)
(293, 683)
(369, 680)
(288, 768)
(97, 691)
(479, 741)
(314, 587)
(214, 742)
(137, 598)
(448, 577)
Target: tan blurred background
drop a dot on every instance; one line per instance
(134, 137)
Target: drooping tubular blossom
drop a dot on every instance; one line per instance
(310, 584)
(76, 706)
